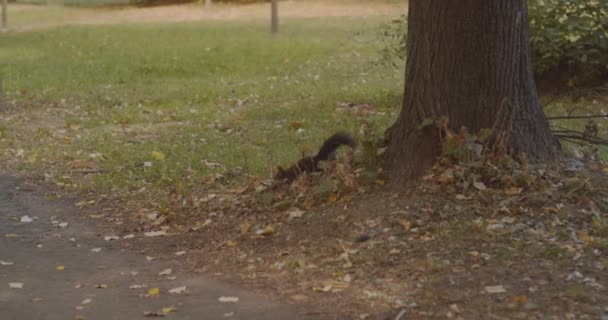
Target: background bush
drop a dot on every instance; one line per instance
(568, 41)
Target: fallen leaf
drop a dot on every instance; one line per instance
(332, 198)
(178, 290)
(298, 298)
(168, 309)
(245, 226)
(165, 272)
(584, 236)
(266, 231)
(129, 236)
(179, 253)
(151, 314)
(96, 249)
(157, 155)
(513, 191)
(16, 285)
(228, 299)
(110, 238)
(326, 288)
(295, 213)
(26, 219)
(153, 291)
(155, 233)
(62, 225)
(520, 299)
(136, 286)
(479, 185)
(406, 224)
(495, 289)
(59, 268)
(86, 301)
(6, 263)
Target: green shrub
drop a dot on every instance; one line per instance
(568, 40)
(571, 37)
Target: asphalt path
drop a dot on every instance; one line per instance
(57, 266)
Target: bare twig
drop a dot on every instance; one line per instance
(400, 315)
(570, 135)
(579, 117)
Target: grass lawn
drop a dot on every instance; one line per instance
(178, 97)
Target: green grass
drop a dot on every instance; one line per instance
(224, 92)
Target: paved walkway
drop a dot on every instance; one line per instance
(50, 272)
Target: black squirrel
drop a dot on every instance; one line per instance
(311, 164)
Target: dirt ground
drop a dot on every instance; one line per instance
(533, 249)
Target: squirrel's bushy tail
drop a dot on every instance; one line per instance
(334, 142)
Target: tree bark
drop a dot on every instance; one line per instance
(467, 60)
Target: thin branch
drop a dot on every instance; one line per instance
(573, 135)
(579, 117)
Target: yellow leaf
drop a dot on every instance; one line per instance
(74, 126)
(60, 268)
(332, 198)
(96, 216)
(153, 291)
(231, 243)
(379, 182)
(268, 231)
(520, 299)
(168, 309)
(157, 155)
(11, 235)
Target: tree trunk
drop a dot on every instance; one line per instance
(274, 17)
(4, 14)
(468, 61)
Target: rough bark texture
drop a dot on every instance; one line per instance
(466, 59)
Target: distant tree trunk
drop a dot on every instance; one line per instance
(1, 96)
(467, 60)
(274, 19)
(4, 14)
